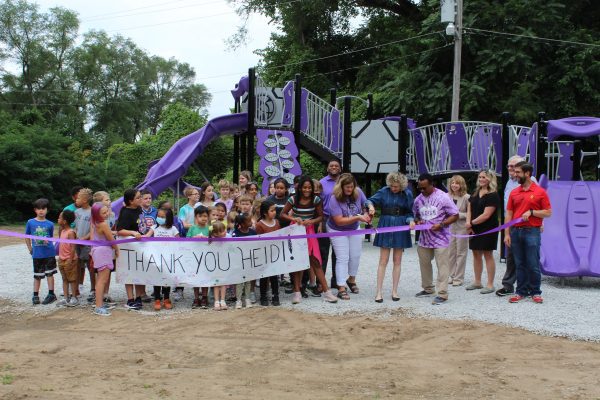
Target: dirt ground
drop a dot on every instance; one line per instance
(9, 240)
(274, 353)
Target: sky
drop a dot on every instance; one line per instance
(191, 31)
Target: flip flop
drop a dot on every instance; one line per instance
(353, 288)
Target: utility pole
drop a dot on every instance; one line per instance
(452, 12)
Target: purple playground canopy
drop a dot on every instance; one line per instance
(576, 127)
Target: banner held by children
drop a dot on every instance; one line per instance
(201, 264)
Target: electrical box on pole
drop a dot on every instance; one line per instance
(448, 10)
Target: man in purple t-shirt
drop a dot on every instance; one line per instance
(435, 207)
(334, 169)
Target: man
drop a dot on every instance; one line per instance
(510, 276)
(334, 169)
(531, 203)
(437, 208)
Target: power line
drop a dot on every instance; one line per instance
(531, 37)
(154, 11)
(130, 9)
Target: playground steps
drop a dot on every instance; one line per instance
(570, 241)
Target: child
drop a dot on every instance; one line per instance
(252, 190)
(245, 205)
(207, 195)
(212, 214)
(220, 213)
(267, 224)
(103, 256)
(231, 221)
(67, 260)
(243, 227)
(234, 191)
(164, 228)
(279, 198)
(186, 212)
(104, 198)
(307, 211)
(218, 231)
(271, 189)
(83, 214)
(42, 251)
(166, 204)
(225, 192)
(200, 229)
(131, 223)
(148, 210)
(72, 207)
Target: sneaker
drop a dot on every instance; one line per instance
(157, 305)
(204, 302)
(81, 288)
(253, 297)
(275, 301)
(264, 301)
(314, 291)
(303, 293)
(248, 303)
(297, 298)
(473, 286)
(178, 295)
(504, 292)
(537, 299)
(238, 304)
(103, 312)
(196, 304)
(516, 298)
(109, 300)
(138, 303)
(35, 300)
(108, 307)
(146, 299)
(92, 297)
(130, 305)
(62, 303)
(223, 305)
(288, 290)
(168, 305)
(423, 293)
(329, 297)
(217, 306)
(487, 290)
(50, 298)
(73, 302)
(437, 300)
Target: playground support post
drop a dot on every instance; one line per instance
(505, 156)
(457, 61)
(333, 97)
(576, 160)
(236, 148)
(297, 109)
(370, 106)
(541, 144)
(251, 120)
(347, 135)
(402, 143)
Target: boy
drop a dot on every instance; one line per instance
(67, 260)
(224, 193)
(42, 251)
(200, 229)
(83, 215)
(148, 210)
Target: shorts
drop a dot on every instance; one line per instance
(68, 270)
(83, 252)
(43, 267)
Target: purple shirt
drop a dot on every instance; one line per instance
(434, 209)
(345, 208)
(328, 183)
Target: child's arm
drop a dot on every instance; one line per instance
(71, 235)
(104, 230)
(150, 233)
(29, 246)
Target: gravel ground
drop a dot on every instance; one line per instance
(569, 309)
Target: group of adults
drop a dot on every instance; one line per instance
(448, 219)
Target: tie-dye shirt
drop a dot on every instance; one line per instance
(434, 209)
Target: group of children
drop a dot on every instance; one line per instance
(238, 211)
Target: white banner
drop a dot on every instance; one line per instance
(202, 264)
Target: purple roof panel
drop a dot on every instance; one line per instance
(576, 127)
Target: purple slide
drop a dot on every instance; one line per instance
(571, 237)
(165, 173)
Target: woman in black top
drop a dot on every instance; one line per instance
(482, 216)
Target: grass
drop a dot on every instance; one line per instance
(7, 379)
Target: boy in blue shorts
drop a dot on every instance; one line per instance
(42, 251)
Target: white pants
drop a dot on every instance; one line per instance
(347, 252)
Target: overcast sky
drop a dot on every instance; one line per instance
(192, 31)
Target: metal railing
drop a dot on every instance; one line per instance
(319, 125)
(264, 108)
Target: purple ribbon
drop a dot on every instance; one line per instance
(372, 231)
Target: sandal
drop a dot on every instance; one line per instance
(353, 287)
(343, 295)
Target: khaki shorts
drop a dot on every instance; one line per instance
(68, 270)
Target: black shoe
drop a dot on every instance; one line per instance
(204, 302)
(137, 304)
(264, 302)
(304, 294)
(395, 298)
(378, 300)
(288, 290)
(503, 292)
(423, 293)
(35, 300)
(50, 298)
(275, 301)
(314, 291)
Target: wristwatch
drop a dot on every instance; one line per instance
(531, 211)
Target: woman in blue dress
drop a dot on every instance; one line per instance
(396, 202)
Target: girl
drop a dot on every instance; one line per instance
(130, 223)
(271, 189)
(207, 195)
(252, 190)
(186, 212)
(307, 211)
(103, 255)
(225, 194)
(457, 251)
(482, 216)
(104, 198)
(67, 260)
(267, 224)
(200, 229)
(218, 231)
(220, 213)
(164, 228)
(279, 198)
(346, 206)
(243, 227)
(231, 216)
(396, 202)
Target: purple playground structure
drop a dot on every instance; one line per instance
(285, 120)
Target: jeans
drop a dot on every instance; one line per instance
(525, 247)
(510, 276)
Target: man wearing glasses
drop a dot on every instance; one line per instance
(510, 276)
(435, 207)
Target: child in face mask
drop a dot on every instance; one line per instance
(164, 228)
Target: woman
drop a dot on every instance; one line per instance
(243, 180)
(482, 215)
(396, 202)
(346, 211)
(457, 190)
